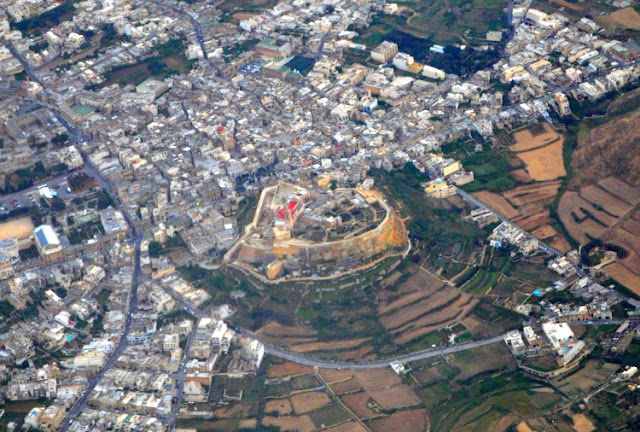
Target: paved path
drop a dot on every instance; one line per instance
(81, 403)
(377, 364)
(338, 364)
(132, 305)
(180, 380)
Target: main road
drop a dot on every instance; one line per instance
(132, 303)
(180, 380)
(420, 355)
(132, 306)
(338, 364)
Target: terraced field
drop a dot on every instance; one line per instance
(423, 305)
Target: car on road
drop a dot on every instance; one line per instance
(13, 202)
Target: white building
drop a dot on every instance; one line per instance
(530, 336)
(514, 341)
(403, 61)
(171, 342)
(384, 52)
(559, 334)
(47, 240)
(433, 73)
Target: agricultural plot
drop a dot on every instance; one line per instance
(540, 148)
(411, 313)
(395, 397)
(301, 424)
(545, 163)
(465, 365)
(346, 386)
(531, 138)
(498, 203)
(288, 369)
(406, 421)
(627, 17)
(328, 416)
(581, 423)
(524, 196)
(305, 402)
(491, 397)
(500, 276)
(623, 276)
(279, 406)
(596, 209)
(630, 241)
(588, 377)
(463, 21)
(370, 393)
(305, 340)
(351, 426)
(621, 189)
(358, 403)
(486, 319)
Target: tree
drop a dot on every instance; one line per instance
(155, 248)
(57, 204)
(34, 213)
(60, 139)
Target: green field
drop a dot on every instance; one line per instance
(462, 21)
(41, 23)
(16, 411)
(477, 388)
(329, 415)
(417, 42)
(246, 6)
(167, 59)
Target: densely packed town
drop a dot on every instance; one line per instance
(101, 174)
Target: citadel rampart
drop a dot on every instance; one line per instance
(299, 257)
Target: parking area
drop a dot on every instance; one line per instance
(56, 187)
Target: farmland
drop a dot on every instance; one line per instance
(564, 195)
(607, 210)
(245, 6)
(297, 401)
(588, 377)
(627, 17)
(464, 21)
(519, 175)
(479, 390)
(167, 59)
(593, 210)
(301, 424)
(411, 314)
(526, 206)
(409, 421)
(544, 163)
(306, 402)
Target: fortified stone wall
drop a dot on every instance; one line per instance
(391, 233)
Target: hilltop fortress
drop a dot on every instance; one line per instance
(300, 233)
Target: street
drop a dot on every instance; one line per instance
(80, 404)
